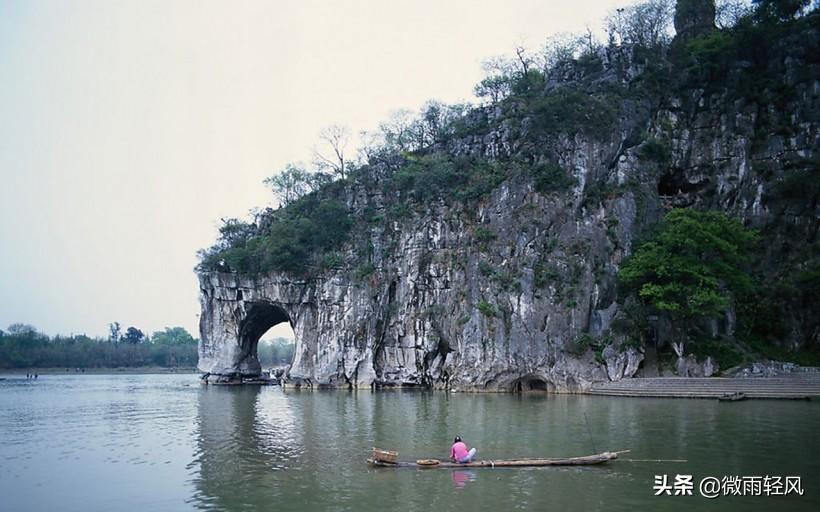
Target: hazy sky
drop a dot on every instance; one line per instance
(129, 128)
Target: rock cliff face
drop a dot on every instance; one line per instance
(441, 309)
(518, 292)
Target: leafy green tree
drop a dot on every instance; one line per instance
(133, 335)
(173, 336)
(22, 330)
(493, 87)
(692, 268)
(278, 351)
(172, 347)
(235, 232)
(290, 183)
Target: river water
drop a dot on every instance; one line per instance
(164, 442)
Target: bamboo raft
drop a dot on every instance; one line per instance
(587, 460)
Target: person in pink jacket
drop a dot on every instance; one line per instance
(460, 453)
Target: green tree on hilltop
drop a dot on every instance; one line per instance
(692, 268)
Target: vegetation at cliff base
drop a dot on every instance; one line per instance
(693, 266)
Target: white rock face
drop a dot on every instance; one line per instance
(689, 366)
(620, 364)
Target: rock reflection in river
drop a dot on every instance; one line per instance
(243, 437)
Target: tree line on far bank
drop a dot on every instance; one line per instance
(22, 346)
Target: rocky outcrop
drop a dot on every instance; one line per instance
(689, 366)
(440, 309)
(693, 18)
(770, 369)
(518, 291)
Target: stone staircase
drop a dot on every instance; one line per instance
(796, 386)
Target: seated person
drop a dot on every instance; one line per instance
(459, 452)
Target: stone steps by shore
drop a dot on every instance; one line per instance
(798, 386)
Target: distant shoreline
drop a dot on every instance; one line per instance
(142, 370)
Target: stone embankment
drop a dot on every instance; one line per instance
(796, 386)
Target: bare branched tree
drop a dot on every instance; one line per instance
(372, 146)
(561, 47)
(330, 154)
(729, 12)
(524, 61)
(647, 24)
(397, 131)
(590, 45)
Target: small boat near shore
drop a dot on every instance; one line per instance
(732, 397)
(586, 460)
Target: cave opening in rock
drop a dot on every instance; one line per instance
(266, 334)
(531, 384)
(674, 182)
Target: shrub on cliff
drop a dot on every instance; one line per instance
(566, 111)
(294, 238)
(550, 177)
(436, 176)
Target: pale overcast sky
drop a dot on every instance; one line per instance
(129, 128)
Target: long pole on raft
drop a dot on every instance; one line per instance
(653, 460)
(646, 460)
(589, 431)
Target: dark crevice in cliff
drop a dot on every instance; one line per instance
(530, 384)
(675, 182)
(382, 324)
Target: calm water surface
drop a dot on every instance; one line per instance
(163, 442)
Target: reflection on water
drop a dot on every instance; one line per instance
(164, 443)
(95, 442)
(262, 446)
(461, 477)
(306, 450)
